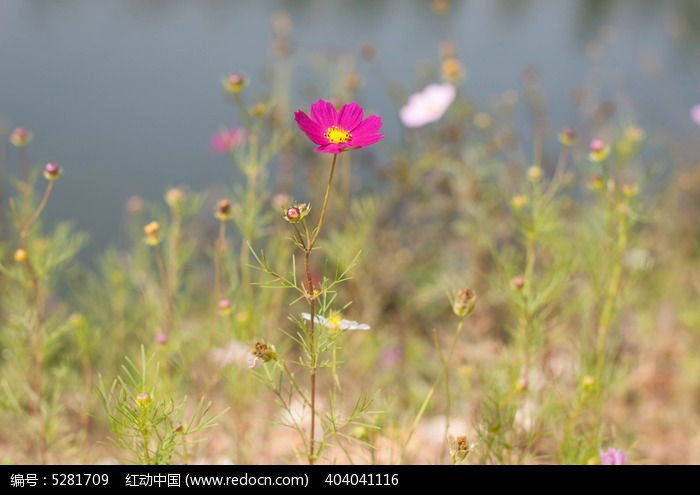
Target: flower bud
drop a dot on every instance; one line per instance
(235, 83)
(464, 302)
(518, 282)
(596, 183)
(20, 137)
(20, 255)
(144, 399)
(452, 70)
(225, 306)
(296, 212)
(518, 202)
(174, 197)
(599, 151)
(152, 231)
(567, 137)
(223, 210)
(52, 171)
(534, 173)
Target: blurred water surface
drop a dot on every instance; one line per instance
(124, 94)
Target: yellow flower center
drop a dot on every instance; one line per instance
(337, 135)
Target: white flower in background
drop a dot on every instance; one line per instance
(336, 322)
(428, 105)
(233, 353)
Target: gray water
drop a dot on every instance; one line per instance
(124, 94)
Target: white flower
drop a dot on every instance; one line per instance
(336, 323)
(428, 105)
(234, 353)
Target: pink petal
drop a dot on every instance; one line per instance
(334, 148)
(323, 112)
(310, 128)
(366, 133)
(350, 116)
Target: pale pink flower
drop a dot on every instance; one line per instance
(226, 140)
(613, 457)
(695, 114)
(428, 105)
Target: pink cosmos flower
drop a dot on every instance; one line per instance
(613, 457)
(695, 114)
(226, 140)
(337, 131)
(428, 105)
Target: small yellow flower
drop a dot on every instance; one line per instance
(634, 134)
(452, 70)
(20, 255)
(152, 231)
(630, 190)
(258, 110)
(534, 173)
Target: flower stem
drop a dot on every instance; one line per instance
(325, 204)
(311, 297)
(220, 244)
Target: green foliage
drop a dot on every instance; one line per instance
(151, 427)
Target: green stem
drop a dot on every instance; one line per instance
(325, 204)
(443, 372)
(39, 209)
(220, 244)
(611, 296)
(311, 297)
(167, 296)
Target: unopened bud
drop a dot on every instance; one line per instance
(599, 151)
(223, 210)
(20, 255)
(20, 137)
(52, 171)
(567, 137)
(225, 306)
(144, 399)
(464, 302)
(235, 83)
